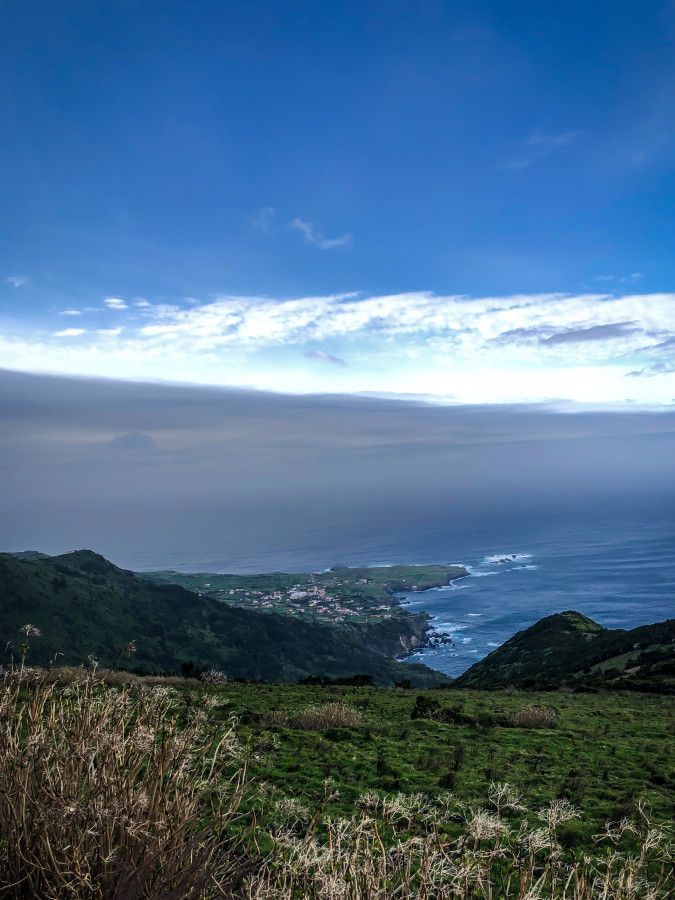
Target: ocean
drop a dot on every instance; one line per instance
(612, 561)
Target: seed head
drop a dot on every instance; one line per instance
(30, 630)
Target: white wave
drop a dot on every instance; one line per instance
(493, 644)
(447, 626)
(483, 574)
(466, 640)
(497, 558)
(475, 615)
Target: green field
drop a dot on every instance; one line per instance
(179, 788)
(604, 754)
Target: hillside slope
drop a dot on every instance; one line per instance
(85, 605)
(570, 649)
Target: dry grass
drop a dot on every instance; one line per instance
(103, 795)
(276, 717)
(399, 847)
(534, 717)
(329, 715)
(72, 675)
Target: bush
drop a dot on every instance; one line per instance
(534, 717)
(335, 714)
(275, 718)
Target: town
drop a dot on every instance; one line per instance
(337, 595)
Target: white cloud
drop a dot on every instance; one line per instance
(70, 312)
(313, 236)
(519, 347)
(17, 280)
(471, 326)
(633, 278)
(115, 303)
(141, 303)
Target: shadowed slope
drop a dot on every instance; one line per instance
(85, 605)
(569, 648)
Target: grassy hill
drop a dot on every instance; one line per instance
(349, 791)
(85, 605)
(601, 752)
(570, 649)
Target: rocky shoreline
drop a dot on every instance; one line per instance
(423, 634)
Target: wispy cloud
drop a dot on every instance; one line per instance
(610, 331)
(69, 332)
(264, 220)
(70, 312)
(540, 144)
(633, 278)
(17, 280)
(115, 303)
(322, 356)
(474, 349)
(316, 237)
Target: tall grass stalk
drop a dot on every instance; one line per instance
(104, 795)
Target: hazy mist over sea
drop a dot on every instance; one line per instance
(196, 479)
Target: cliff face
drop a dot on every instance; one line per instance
(393, 637)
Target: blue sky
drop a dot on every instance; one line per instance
(470, 201)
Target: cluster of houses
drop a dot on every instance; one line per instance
(303, 599)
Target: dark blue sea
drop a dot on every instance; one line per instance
(612, 561)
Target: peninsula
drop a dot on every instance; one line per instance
(339, 594)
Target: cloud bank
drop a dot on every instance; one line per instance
(144, 471)
(471, 349)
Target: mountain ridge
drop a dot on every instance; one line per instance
(85, 605)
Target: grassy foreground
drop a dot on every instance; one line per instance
(122, 787)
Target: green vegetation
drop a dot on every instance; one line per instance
(601, 752)
(338, 595)
(121, 787)
(570, 649)
(85, 606)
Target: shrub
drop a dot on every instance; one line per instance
(534, 717)
(335, 714)
(275, 717)
(213, 678)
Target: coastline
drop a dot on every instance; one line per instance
(426, 636)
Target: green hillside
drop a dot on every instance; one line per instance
(570, 649)
(599, 751)
(86, 606)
